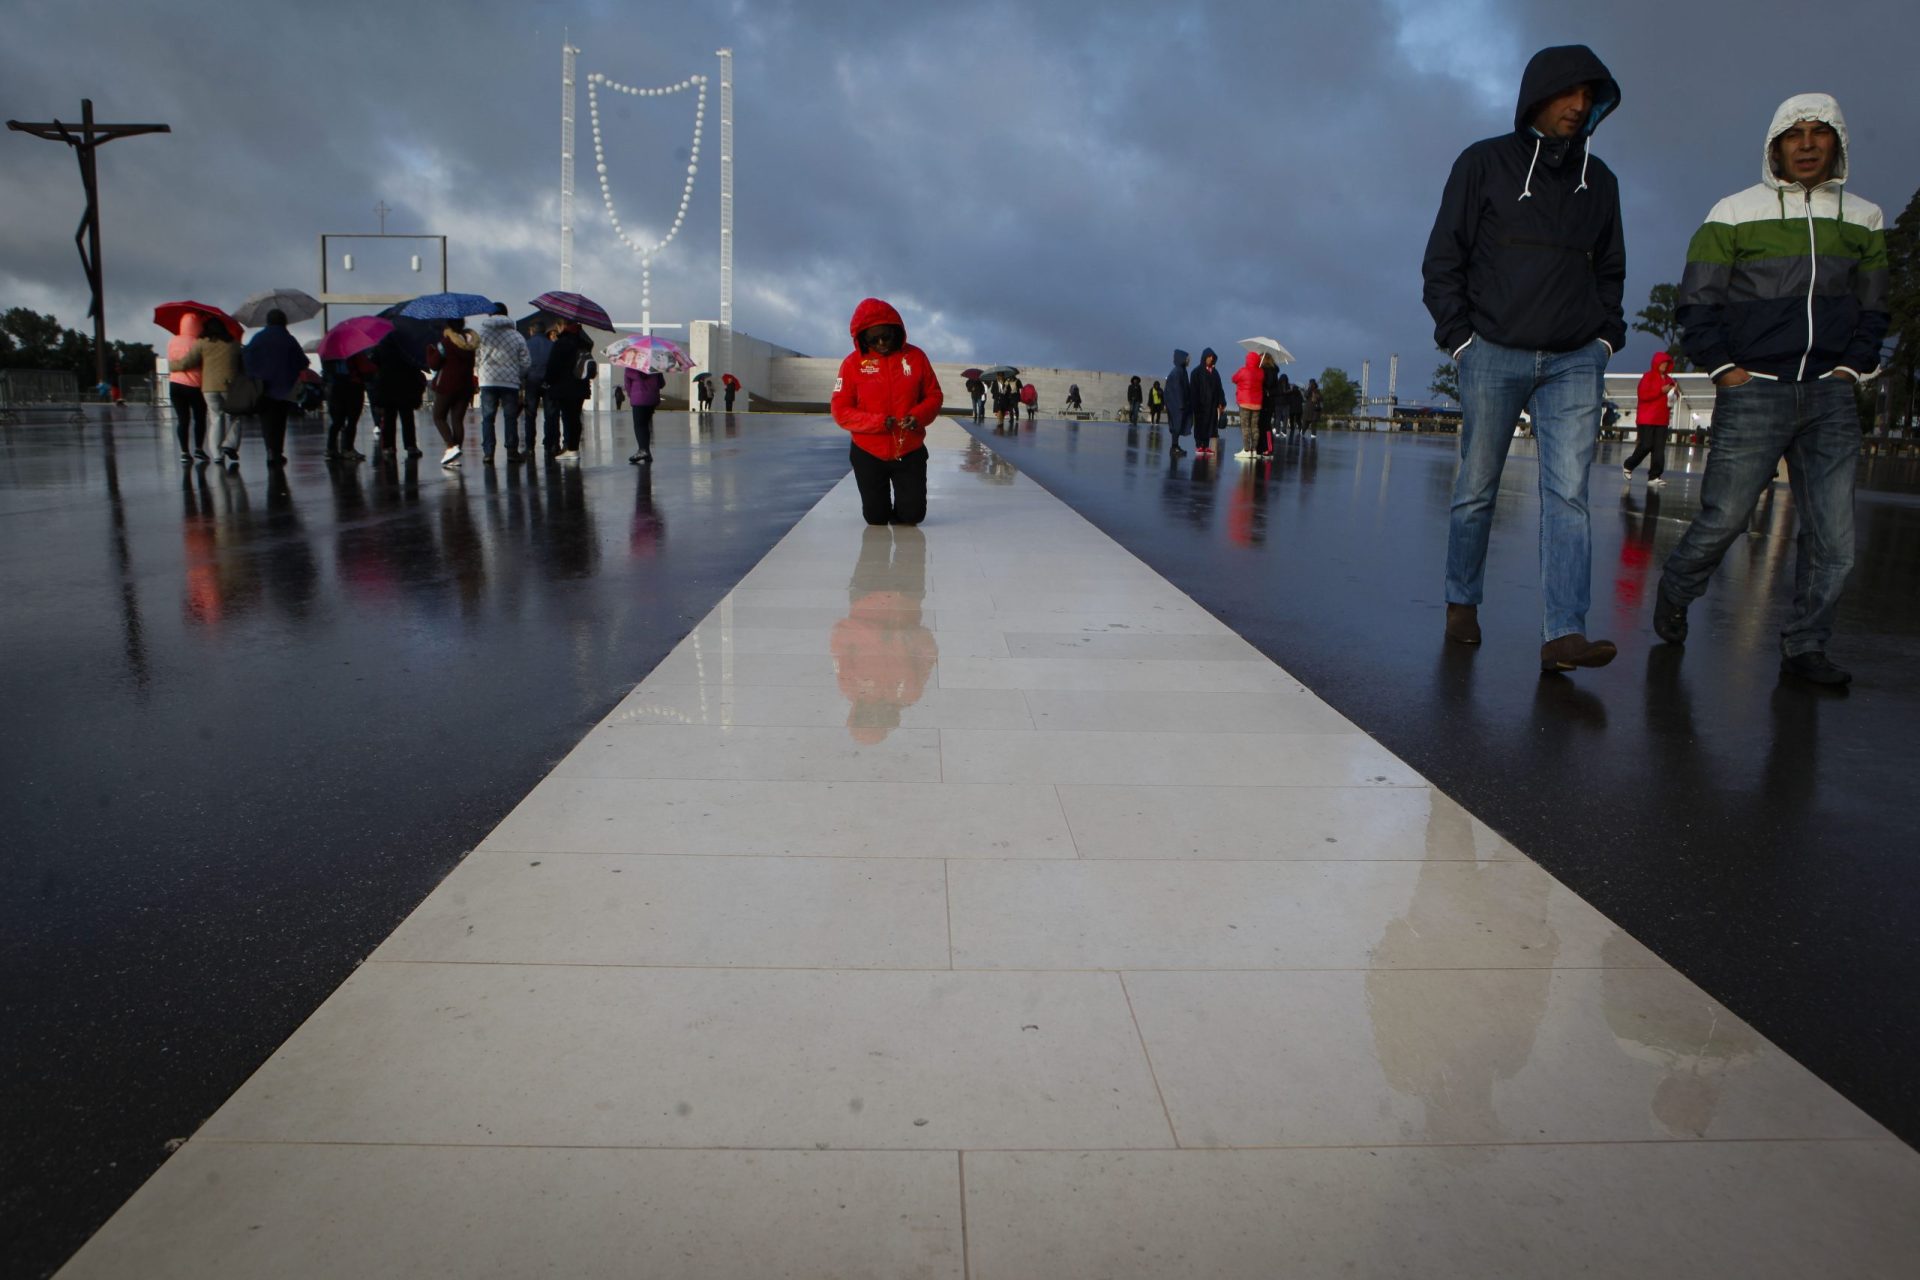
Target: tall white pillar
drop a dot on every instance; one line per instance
(726, 211)
(567, 52)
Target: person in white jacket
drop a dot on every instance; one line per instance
(500, 361)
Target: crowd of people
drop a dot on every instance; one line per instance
(1272, 410)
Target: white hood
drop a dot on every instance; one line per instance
(1804, 106)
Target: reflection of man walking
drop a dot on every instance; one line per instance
(1784, 302)
(1524, 273)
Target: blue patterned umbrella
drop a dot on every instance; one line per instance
(445, 306)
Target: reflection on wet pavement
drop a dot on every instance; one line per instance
(882, 652)
(267, 711)
(1753, 831)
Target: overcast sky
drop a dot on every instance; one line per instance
(1041, 182)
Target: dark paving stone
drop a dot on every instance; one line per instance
(253, 722)
(1757, 833)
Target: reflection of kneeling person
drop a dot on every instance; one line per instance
(886, 395)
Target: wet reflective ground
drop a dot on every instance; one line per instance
(1757, 833)
(252, 721)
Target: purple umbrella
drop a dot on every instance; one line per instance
(350, 337)
(575, 306)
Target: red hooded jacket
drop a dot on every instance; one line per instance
(871, 389)
(1652, 409)
(1248, 382)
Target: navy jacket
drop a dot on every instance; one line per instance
(1177, 393)
(1207, 395)
(1527, 249)
(274, 356)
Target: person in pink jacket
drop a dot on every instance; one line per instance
(1248, 383)
(183, 390)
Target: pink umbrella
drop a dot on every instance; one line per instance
(350, 337)
(649, 355)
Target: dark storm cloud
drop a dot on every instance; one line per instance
(1079, 184)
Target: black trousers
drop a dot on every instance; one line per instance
(273, 426)
(643, 428)
(567, 410)
(891, 492)
(344, 403)
(1651, 441)
(397, 429)
(189, 415)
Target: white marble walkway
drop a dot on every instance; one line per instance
(882, 931)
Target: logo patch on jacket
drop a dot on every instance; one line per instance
(906, 366)
(869, 365)
(837, 384)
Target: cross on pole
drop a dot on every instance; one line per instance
(89, 136)
(381, 211)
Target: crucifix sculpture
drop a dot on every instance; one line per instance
(83, 140)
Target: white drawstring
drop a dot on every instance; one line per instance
(1583, 166)
(1527, 189)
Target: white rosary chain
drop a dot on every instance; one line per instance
(699, 83)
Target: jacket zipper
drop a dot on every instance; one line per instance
(1813, 276)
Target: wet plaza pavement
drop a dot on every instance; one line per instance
(253, 721)
(263, 721)
(1757, 833)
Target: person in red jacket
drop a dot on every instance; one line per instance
(886, 395)
(1651, 414)
(1249, 385)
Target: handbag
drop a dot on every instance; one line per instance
(245, 394)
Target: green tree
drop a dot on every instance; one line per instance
(1338, 395)
(1903, 298)
(1446, 382)
(35, 339)
(1660, 317)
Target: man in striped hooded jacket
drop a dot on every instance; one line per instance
(1784, 303)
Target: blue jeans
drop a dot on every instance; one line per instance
(1815, 426)
(493, 400)
(1564, 390)
(532, 393)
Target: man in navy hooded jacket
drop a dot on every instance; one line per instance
(1524, 273)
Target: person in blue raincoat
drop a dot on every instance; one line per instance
(1179, 397)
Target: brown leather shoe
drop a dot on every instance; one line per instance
(1575, 650)
(1463, 623)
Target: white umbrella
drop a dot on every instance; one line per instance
(1268, 347)
(298, 306)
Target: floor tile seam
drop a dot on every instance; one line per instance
(946, 886)
(966, 1251)
(1039, 858)
(1356, 732)
(1146, 1054)
(234, 1140)
(581, 776)
(1000, 857)
(1011, 970)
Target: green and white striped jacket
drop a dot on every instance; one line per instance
(1789, 283)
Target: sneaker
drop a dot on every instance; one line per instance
(413, 453)
(200, 455)
(231, 457)
(567, 455)
(451, 458)
(1177, 452)
(1575, 650)
(1626, 473)
(1463, 623)
(185, 456)
(353, 455)
(1814, 667)
(1244, 454)
(1658, 482)
(1669, 618)
(486, 459)
(513, 456)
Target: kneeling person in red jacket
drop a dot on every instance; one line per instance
(886, 395)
